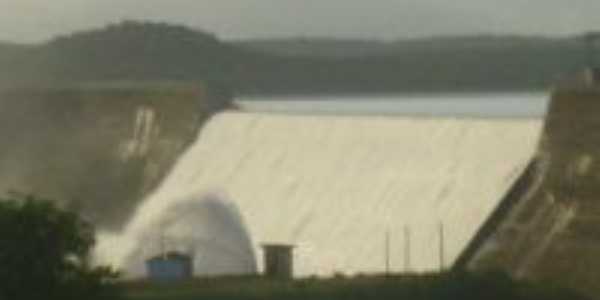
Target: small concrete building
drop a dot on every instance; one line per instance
(592, 76)
(278, 259)
(592, 71)
(172, 266)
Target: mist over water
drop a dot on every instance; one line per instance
(208, 226)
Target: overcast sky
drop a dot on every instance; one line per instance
(37, 20)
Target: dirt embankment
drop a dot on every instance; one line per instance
(98, 148)
(552, 233)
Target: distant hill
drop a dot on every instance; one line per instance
(332, 47)
(7, 46)
(130, 51)
(326, 47)
(157, 51)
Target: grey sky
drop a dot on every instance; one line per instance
(36, 20)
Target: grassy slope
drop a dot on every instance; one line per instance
(426, 287)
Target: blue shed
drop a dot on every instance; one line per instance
(172, 266)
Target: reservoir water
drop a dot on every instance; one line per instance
(517, 105)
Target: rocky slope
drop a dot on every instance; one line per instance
(551, 233)
(97, 148)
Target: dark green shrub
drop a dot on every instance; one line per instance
(44, 254)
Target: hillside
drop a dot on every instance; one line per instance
(551, 234)
(157, 51)
(321, 47)
(333, 47)
(128, 51)
(98, 148)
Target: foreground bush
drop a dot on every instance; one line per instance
(44, 254)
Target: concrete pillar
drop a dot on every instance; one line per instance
(278, 260)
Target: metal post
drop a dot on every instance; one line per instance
(387, 252)
(406, 249)
(442, 250)
(163, 244)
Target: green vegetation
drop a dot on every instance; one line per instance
(552, 234)
(426, 287)
(44, 254)
(156, 51)
(45, 251)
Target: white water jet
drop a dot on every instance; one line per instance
(208, 227)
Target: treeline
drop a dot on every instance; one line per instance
(158, 51)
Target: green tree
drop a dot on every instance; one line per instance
(45, 253)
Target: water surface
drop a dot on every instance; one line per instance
(502, 105)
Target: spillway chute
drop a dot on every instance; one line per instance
(345, 188)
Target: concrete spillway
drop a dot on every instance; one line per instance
(338, 187)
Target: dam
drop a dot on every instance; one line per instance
(358, 185)
(354, 193)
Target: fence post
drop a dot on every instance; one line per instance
(442, 250)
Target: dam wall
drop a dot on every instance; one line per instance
(552, 233)
(352, 193)
(165, 165)
(97, 148)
